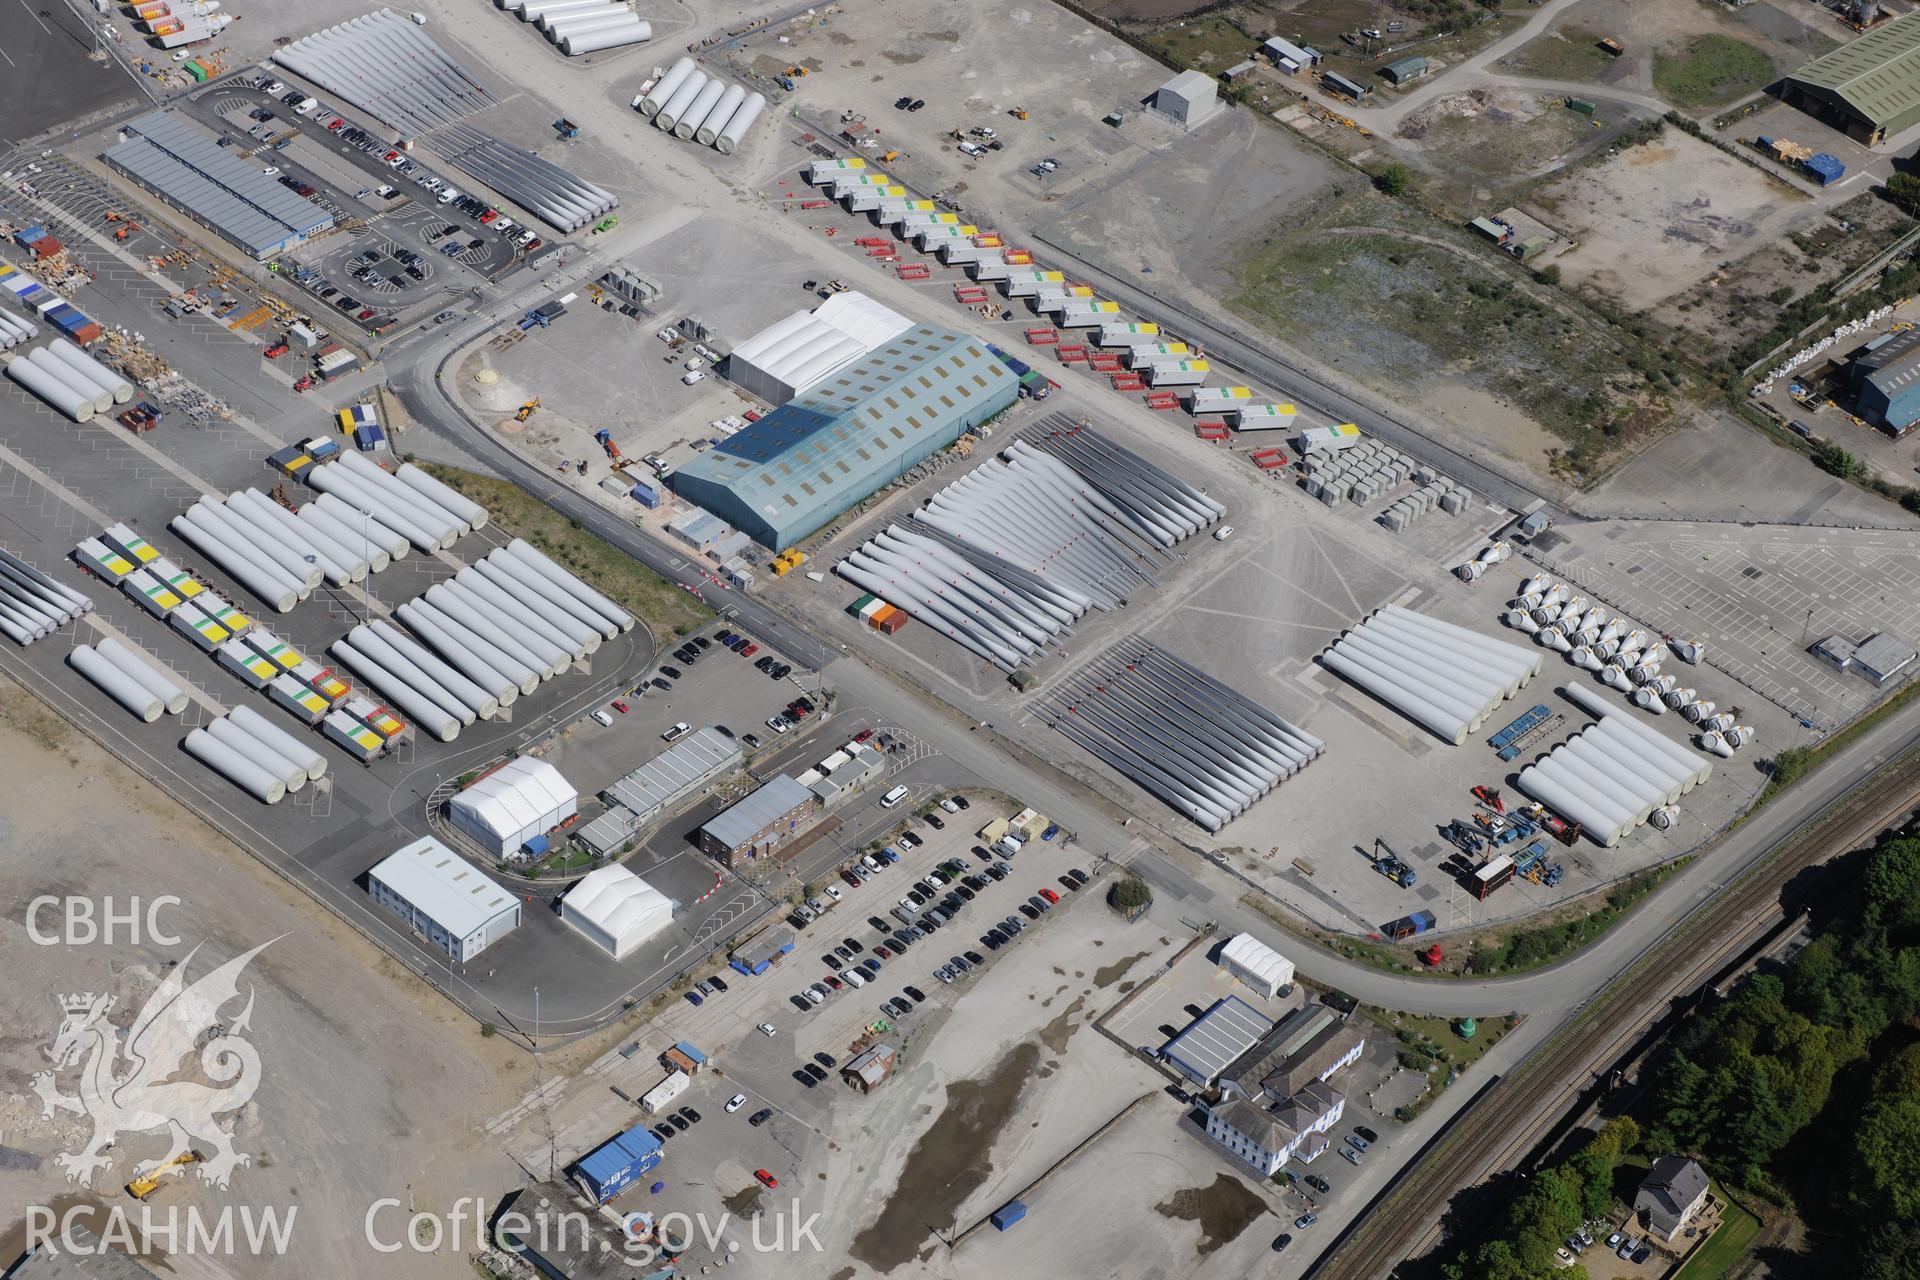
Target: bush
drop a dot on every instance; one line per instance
(1393, 180)
(1130, 894)
(1835, 461)
(1903, 189)
(487, 1030)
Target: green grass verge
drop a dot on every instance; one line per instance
(1727, 1246)
(1505, 951)
(1209, 43)
(1711, 71)
(1794, 763)
(664, 607)
(1573, 53)
(1435, 1047)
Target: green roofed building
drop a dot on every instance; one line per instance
(850, 433)
(1869, 89)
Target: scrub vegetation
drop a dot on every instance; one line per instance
(1711, 71)
(1371, 284)
(664, 608)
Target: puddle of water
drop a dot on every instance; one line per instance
(1223, 1210)
(950, 1162)
(1105, 975)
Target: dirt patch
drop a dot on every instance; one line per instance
(951, 1160)
(1659, 218)
(29, 717)
(1056, 1033)
(744, 1203)
(1223, 1210)
(1106, 974)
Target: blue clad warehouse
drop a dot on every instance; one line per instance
(185, 165)
(852, 432)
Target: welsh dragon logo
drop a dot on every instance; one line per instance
(129, 1086)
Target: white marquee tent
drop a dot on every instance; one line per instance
(791, 355)
(520, 800)
(1256, 964)
(616, 910)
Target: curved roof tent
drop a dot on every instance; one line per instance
(806, 347)
(616, 909)
(521, 799)
(1256, 964)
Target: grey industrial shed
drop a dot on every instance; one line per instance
(186, 166)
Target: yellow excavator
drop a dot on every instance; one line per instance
(526, 410)
(145, 1185)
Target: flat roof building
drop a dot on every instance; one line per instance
(837, 442)
(758, 823)
(186, 166)
(1868, 89)
(444, 898)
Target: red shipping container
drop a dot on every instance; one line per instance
(892, 622)
(45, 247)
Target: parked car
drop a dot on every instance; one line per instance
(736, 1102)
(1318, 1183)
(1305, 1220)
(760, 1117)
(766, 1179)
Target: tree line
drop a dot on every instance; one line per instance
(1802, 1086)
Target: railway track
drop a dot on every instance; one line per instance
(1506, 1121)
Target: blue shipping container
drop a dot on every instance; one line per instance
(1826, 169)
(537, 846)
(609, 1170)
(71, 323)
(1007, 1214)
(646, 495)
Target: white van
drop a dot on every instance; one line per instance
(676, 733)
(603, 718)
(893, 797)
(853, 978)
(449, 195)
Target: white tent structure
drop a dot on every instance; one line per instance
(791, 355)
(1611, 776)
(520, 800)
(616, 910)
(1442, 677)
(1258, 965)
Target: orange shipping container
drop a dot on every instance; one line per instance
(153, 10)
(878, 618)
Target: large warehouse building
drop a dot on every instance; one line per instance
(184, 165)
(1869, 89)
(786, 358)
(848, 434)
